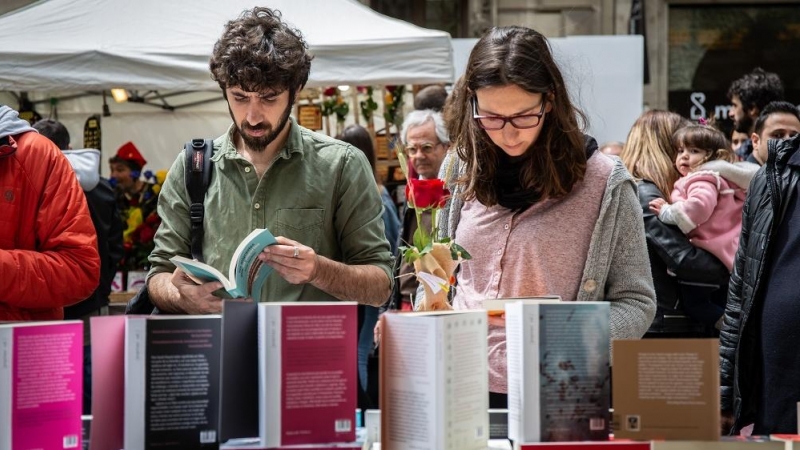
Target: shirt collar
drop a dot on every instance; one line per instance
(293, 144)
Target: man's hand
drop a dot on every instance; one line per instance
(196, 298)
(294, 262)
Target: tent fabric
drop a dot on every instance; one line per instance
(166, 45)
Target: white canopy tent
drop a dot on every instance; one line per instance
(63, 45)
(59, 47)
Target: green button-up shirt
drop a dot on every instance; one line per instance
(319, 192)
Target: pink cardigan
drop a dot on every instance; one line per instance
(707, 206)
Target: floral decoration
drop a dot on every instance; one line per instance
(434, 258)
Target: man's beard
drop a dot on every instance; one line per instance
(744, 125)
(260, 143)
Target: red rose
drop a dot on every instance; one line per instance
(391, 89)
(153, 220)
(425, 194)
(127, 246)
(146, 234)
(329, 92)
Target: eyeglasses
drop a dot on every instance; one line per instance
(521, 122)
(425, 149)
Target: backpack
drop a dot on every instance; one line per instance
(197, 153)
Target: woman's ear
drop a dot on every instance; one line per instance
(551, 98)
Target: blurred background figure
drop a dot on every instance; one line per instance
(108, 225)
(359, 137)
(613, 148)
(737, 139)
(431, 97)
(749, 95)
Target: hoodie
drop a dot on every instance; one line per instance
(48, 245)
(86, 164)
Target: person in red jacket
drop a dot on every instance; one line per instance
(48, 245)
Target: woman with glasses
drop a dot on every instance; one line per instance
(539, 208)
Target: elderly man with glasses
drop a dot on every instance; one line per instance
(425, 138)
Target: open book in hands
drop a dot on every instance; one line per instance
(246, 274)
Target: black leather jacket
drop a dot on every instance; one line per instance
(674, 262)
(770, 192)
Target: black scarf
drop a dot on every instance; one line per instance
(510, 194)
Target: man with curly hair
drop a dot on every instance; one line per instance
(749, 95)
(317, 195)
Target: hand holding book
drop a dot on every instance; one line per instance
(294, 262)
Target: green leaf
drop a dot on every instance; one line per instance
(410, 254)
(455, 249)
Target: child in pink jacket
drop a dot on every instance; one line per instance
(707, 199)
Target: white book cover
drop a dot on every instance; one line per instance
(434, 381)
(307, 372)
(558, 371)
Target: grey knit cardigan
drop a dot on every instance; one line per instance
(617, 266)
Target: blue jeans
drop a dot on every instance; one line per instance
(365, 343)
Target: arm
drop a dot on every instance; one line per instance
(698, 205)
(364, 274)
(65, 266)
(686, 261)
(629, 286)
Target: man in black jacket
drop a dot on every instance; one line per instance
(107, 223)
(759, 361)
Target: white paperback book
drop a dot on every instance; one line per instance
(434, 381)
(558, 371)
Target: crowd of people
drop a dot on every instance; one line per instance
(685, 231)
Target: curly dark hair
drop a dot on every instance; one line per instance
(517, 56)
(258, 51)
(757, 88)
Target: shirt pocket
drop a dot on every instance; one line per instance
(301, 225)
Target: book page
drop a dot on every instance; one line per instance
(200, 272)
(466, 381)
(515, 343)
(408, 382)
(247, 272)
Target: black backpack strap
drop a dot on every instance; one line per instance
(198, 154)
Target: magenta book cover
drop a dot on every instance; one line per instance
(47, 386)
(318, 385)
(108, 377)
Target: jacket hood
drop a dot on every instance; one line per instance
(739, 173)
(11, 124)
(86, 164)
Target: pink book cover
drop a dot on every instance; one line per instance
(587, 445)
(319, 373)
(47, 376)
(108, 378)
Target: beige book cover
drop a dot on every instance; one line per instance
(666, 389)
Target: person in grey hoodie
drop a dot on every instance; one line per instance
(108, 225)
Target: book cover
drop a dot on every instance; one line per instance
(239, 379)
(41, 385)
(172, 382)
(253, 444)
(246, 274)
(667, 389)
(307, 372)
(108, 377)
(434, 389)
(558, 371)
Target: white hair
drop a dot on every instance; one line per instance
(421, 117)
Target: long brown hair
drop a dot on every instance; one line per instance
(522, 57)
(648, 153)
